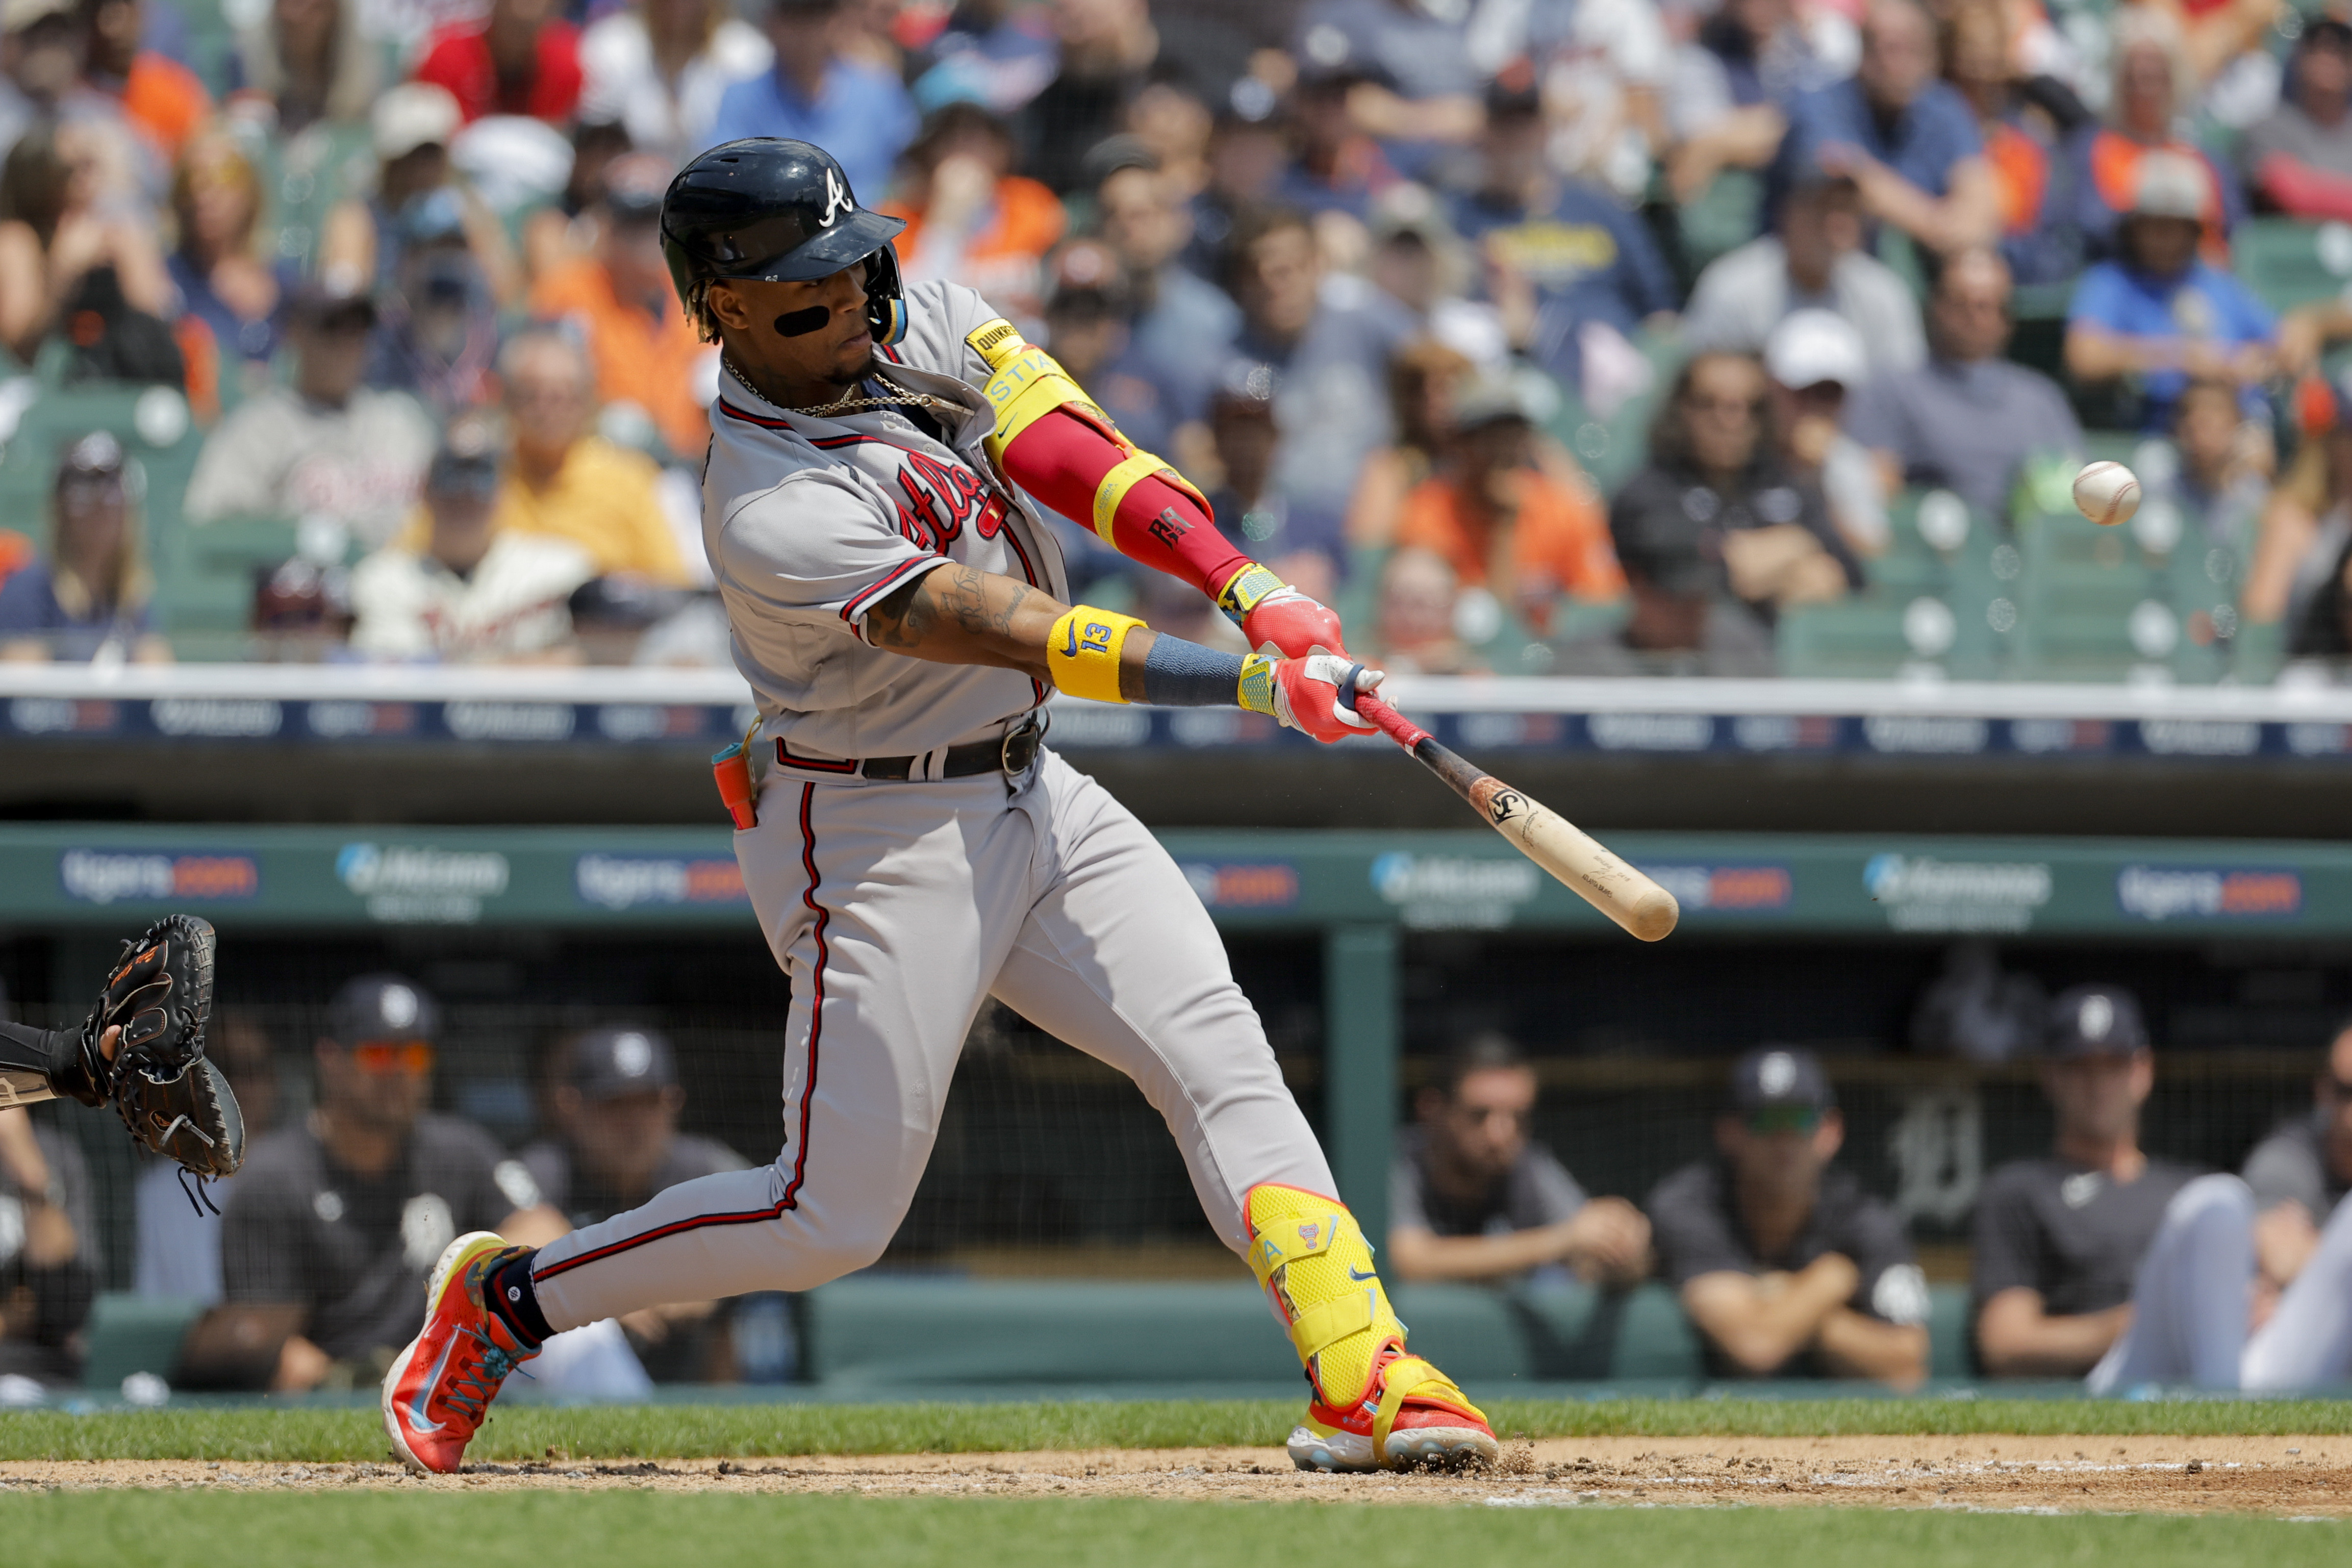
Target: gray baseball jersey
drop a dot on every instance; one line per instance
(898, 906)
(810, 522)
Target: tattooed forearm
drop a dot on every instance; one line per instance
(961, 614)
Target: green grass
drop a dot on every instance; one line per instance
(359, 1530)
(736, 1431)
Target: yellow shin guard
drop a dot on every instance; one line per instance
(1311, 1257)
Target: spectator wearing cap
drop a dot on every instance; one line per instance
(2060, 1238)
(1783, 1263)
(339, 1215)
(231, 298)
(1421, 263)
(614, 1143)
(970, 217)
(69, 250)
(42, 47)
(622, 304)
(1729, 88)
(438, 335)
(469, 592)
(416, 192)
(1181, 322)
(523, 57)
(160, 96)
(2158, 313)
(566, 482)
(1088, 326)
(88, 601)
(1328, 348)
(1715, 534)
(175, 1258)
(1815, 261)
(1473, 1196)
(1502, 524)
(1334, 167)
(1303, 540)
(323, 445)
(1816, 363)
(2299, 158)
(2152, 85)
(1909, 142)
(658, 68)
(856, 111)
(311, 61)
(1967, 419)
(1591, 266)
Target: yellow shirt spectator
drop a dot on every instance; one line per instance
(602, 499)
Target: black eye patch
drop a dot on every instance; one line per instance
(800, 323)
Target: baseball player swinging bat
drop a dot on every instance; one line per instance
(1584, 865)
(881, 458)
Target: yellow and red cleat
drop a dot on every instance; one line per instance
(439, 1388)
(1375, 1406)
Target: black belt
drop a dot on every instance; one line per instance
(1011, 753)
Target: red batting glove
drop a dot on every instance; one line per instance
(1289, 623)
(1307, 694)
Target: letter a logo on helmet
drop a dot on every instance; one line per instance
(837, 199)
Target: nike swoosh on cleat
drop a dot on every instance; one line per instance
(416, 1421)
(1360, 1279)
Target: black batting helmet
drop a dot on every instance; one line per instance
(772, 210)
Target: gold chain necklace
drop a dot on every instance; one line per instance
(853, 402)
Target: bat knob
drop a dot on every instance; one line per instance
(1348, 692)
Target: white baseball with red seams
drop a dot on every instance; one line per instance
(899, 906)
(2106, 493)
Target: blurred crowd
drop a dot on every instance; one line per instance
(1537, 335)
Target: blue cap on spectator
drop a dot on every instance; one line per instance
(2094, 1021)
(381, 1007)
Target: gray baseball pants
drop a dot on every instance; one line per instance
(896, 908)
(2191, 1303)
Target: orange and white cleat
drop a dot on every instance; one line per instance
(439, 1388)
(1375, 1405)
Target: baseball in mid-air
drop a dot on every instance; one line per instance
(2106, 493)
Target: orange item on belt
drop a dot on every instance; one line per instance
(2020, 177)
(648, 358)
(1560, 536)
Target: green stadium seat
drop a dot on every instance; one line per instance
(128, 1333)
(1723, 217)
(2289, 262)
(891, 1335)
(1931, 601)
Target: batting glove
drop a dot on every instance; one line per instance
(1308, 695)
(1289, 623)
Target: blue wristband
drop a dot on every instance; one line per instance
(1180, 674)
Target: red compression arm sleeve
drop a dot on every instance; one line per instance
(1061, 460)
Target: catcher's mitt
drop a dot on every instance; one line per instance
(173, 1101)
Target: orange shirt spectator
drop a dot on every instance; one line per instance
(970, 218)
(1501, 523)
(653, 360)
(524, 59)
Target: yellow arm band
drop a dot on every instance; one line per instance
(1083, 649)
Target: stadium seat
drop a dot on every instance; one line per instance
(900, 1334)
(1930, 601)
(131, 1333)
(2289, 262)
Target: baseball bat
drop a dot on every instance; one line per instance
(1582, 863)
